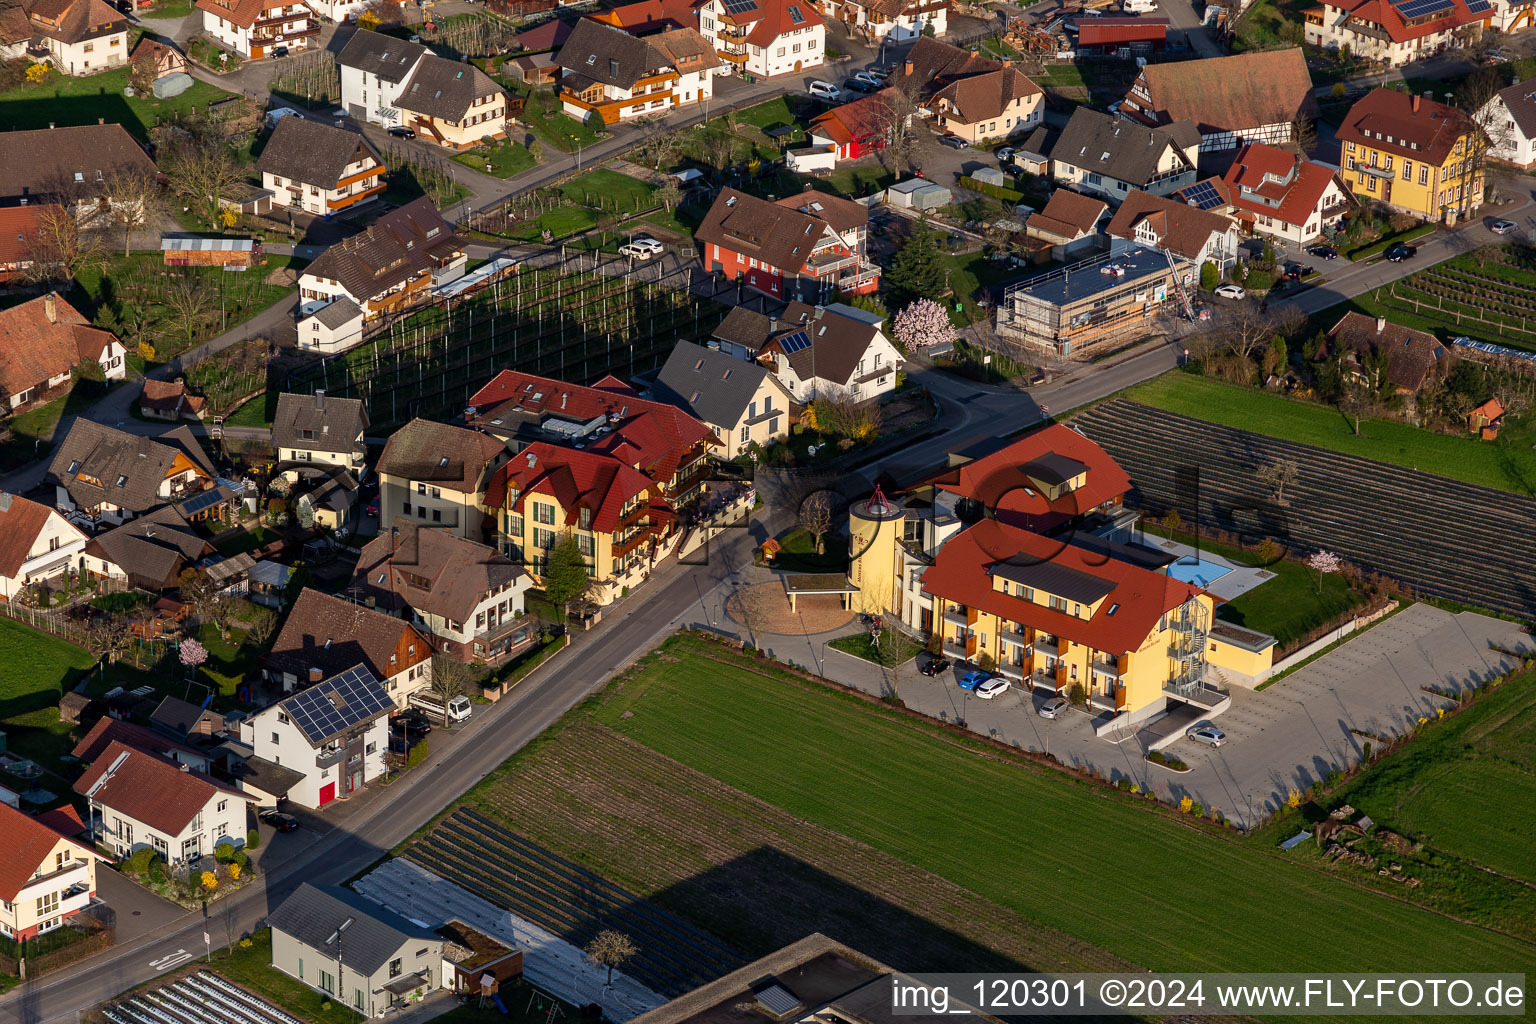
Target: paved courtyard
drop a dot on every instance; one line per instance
(1291, 734)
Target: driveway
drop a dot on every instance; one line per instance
(1291, 734)
(138, 910)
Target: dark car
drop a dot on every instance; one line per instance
(1297, 271)
(1400, 252)
(854, 85)
(1324, 252)
(412, 731)
(279, 821)
(402, 133)
(953, 142)
(417, 719)
(279, 51)
(933, 666)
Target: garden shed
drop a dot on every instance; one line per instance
(918, 194)
(229, 253)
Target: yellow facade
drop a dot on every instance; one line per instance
(874, 564)
(541, 526)
(1241, 659)
(1448, 191)
(63, 883)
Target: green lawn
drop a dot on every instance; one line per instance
(968, 274)
(797, 553)
(769, 114)
(894, 649)
(258, 412)
(609, 190)
(251, 966)
(1467, 786)
(35, 669)
(1288, 606)
(561, 222)
(1489, 464)
(506, 159)
(70, 101)
(542, 116)
(1060, 852)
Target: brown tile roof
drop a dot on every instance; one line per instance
(105, 454)
(109, 730)
(332, 423)
(27, 841)
(333, 635)
(382, 56)
(1068, 214)
(169, 396)
(843, 214)
(641, 18)
(245, 13)
(609, 55)
(313, 153)
(14, 26)
(458, 573)
(837, 342)
(1411, 355)
(1247, 90)
(21, 520)
(988, 95)
(153, 549)
(42, 339)
(688, 49)
(1179, 227)
(46, 161)
(389, 252)
(439, 453)
(446, 89)
(933, 64)
(75, 21)
(1412, 127)
(149, 788)
(774, 233)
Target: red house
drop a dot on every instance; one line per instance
(856, 128)
(811, 247)
(1108, 36)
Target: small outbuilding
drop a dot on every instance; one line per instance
(229, 253)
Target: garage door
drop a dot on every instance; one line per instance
(327, 793)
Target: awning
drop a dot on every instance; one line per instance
(408, 983)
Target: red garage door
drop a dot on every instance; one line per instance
(327, 793)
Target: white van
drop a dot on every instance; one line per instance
(457, 709)
(1139, 6)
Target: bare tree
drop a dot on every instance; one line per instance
(188, 305)
(450, 678)
(816, 517)
(133, 198)
(1277, 476)
(62, 246)
(610, 949)
(201, 172)
(111, 635)
(895, 114)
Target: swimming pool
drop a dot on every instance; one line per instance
(1198, 571)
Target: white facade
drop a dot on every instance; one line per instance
(493, 614)
(1507, 141)
(792, 50)
(316, 336)
(328, 770)
(358, 180)
(874, 375)
(429, 504)
(282, 24)
(1220, 247)
(904, 27)
(338, 10)
(58, 544)
(372, 95)
(1173, 172)
(695, 86)
(90, 56)
(115, 514)
(222, 819)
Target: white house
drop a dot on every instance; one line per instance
(325, 636)
(113, 475)
(1098, 153)
(335, 734)
(334, 327)
(838, 352)
(1275, 192)
(320, 429)
(765, 38)
(319, 168)
(1509, 119)
(467, 594)
(1396, 34)
(139, 800)
(43, 340)
(46, 875)
(435, 473)
(390, 265)
(1175, 227)
(896, 21)
(80, 37)
(255, 28)
(36, 543)
(608, 73)
(395, 83)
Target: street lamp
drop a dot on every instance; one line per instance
(341, 989)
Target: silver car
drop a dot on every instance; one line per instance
(1054, 707)
(1207, 734)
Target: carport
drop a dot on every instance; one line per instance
(812, 584)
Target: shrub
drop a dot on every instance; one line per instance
(157, 871)
(234, 872)
(1077, 695)
(1209, 276)
(140, 862)
(252, 839)
(209, 880)
(1157, 757)
(1293, 799)
(224, 853)
(1123, 785)
(239, 858)
(1259, 280)
(1338, 90)
(1185, 804)
(246, 943)
(986, 662)
(1333, 777)
(1365, 753)
(1198, 810)
(417, 755)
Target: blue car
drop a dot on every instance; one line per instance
(973, 679)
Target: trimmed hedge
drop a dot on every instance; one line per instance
(1007, 195)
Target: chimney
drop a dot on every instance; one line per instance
(1415, 103)
(50, 126)
(613, 67)
(319, 399)
(183, 766)
(1381, 324)
(314, 675)
(773, 325)
(906, 70)
(51, 306)
(101, 120)
(1007, 62)
(5, 501)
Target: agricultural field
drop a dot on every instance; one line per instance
(1466, 788)
(1489, 464)
(751, 789)
(63, 100)
(1489, 295)
(35, 670)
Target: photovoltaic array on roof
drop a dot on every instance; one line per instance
(795, 342)
(1479, 6)
(1423, 8)
(740, 6)
(199, 502)
(778, 999)
(1201, 194)
(338, 703)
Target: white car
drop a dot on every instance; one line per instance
(642, 248)
(869, 78)
(1207, 734)
(825, 91)
(992, 688)
(1502, 227)
(1231, 291)
(1054, 707)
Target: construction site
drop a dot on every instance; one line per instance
(1079, 311)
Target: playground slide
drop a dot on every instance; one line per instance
(499, 1004)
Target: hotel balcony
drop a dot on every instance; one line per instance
(1009, 636)
(956, 619)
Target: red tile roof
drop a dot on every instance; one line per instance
(149, 788)
(20, 523)
(962, 572)
(35, 347)
(595, 481)
(18, 228)
(1068, 214)
(1298, 198)
(1001, 480)
(647, 16)
(245, 13)
(987, 95)
(1247, 90)
(1408, 125)
(865, 117)
(63, 820)
(650, 436)
(1385, 15)
(775, 234)
(1177, 226)
(108, 730)
(28, 841)
(1121, 31)
(772, 18)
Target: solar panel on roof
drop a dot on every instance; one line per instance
(795, 342)
(740, 6)
(778, 999)
(342, 701)
(1479, 6)
(199, 502)
(1201, 194)
(1422, 8)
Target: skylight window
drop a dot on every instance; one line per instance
(122, 481)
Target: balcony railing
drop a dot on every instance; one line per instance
(867, 272)
(955, 618)
(324, 758)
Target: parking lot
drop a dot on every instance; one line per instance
(1291, 734)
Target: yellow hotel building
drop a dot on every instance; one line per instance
(1039, 583)
(1412, 153)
